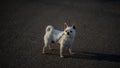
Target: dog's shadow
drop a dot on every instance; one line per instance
(95, 56)
(89, 56)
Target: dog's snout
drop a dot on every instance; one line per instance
(68, 33)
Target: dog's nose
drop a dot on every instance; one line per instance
(68, 33)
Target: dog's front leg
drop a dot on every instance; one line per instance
(70, 51)
(61, 51)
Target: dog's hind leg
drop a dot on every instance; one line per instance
(50, 47)
(51, 43)
(44, 47)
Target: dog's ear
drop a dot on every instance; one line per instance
(74, 26)
(65, 25)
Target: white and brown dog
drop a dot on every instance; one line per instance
(63, 38)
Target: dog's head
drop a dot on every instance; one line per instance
(69, 30)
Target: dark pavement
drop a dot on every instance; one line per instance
(23, 23)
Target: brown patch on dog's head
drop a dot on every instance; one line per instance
(65, 25)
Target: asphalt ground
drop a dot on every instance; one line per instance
(97, 41)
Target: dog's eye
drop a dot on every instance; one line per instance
(71, 31)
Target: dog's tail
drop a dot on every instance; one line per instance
(49, 28)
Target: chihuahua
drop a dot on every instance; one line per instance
(63, 38)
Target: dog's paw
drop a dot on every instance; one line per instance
(61, 56)
(43, 52)
(72, 53)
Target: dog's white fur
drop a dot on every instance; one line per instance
(63, 38)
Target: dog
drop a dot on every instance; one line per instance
(63, 38)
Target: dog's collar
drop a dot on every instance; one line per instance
(60, 37)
